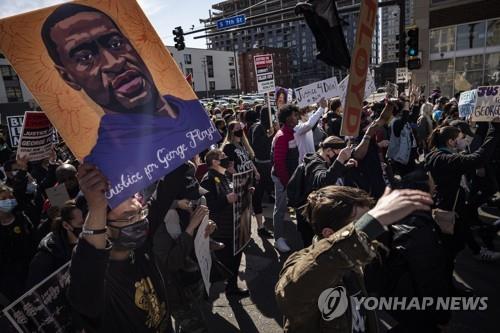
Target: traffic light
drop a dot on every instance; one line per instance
(414, 63)
(179, 38)
(412, 42)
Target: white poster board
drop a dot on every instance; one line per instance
(202, 251)
(487, 104)
(369, 87)
(312, 93)
(264, 73)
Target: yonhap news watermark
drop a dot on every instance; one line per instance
(333, 302)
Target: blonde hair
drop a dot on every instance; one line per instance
(244, 141)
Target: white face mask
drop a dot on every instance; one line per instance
(7, 205)
(14, 173)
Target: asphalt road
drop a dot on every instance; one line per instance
(260, 267)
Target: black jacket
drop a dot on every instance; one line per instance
(53, 251)
(447, 169)
(221, 211)
(318, 174)
(416, 267)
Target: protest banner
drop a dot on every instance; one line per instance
(359, 68)
(369, 87)
(391, 90)
(202, 251)
(264, 73)
(123, 106)
(57, 195)
(242, 209)
(466, 103)
(14, 125)
(36, 138)
(44, 308)
(280, 96)
(313, 92)
(487, 105)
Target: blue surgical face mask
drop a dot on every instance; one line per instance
(7, 205)
(31, 187)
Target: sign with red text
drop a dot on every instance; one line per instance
(264, 72)
(36, 136)
(359, 68)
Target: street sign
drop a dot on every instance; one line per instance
(401, 75)
(264, 72)
(231, 22)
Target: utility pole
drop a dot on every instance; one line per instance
(402, 39)
(236, 68)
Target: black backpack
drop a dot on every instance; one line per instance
(296, 189)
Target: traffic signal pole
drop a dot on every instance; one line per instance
(402, 39)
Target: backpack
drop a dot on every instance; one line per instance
(296, 187)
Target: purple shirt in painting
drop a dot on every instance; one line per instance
(134, 150)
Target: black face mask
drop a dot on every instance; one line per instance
(238, 133)
(76, 231)
(132, 236)
(224, 162)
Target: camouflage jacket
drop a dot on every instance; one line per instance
(326, 264)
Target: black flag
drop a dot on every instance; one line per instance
(323, 19)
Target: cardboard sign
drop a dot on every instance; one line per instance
(242, 209)
(15, 126)
(313, 92)
(487, 104)
(58, 195)
(466, 103)
(107, 83)
(391, 90)
(202, 251)
(359, 68)
(264, 72)
(369, 87)
(44, 308)
(36, 136)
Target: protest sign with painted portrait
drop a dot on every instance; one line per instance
(111, 88)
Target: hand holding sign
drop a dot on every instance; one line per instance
(93, 185)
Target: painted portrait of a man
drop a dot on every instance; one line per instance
(140, 125)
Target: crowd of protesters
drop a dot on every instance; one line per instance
(416, 187)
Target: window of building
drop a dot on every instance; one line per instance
(441, 75)
(493, 36)
(7, 72)
(471, 35)
(211, 85)
(14, 94)
(187, 59)
(231, 61)
(442, 40)
(189, 71)
(492, 69)
(210, 66)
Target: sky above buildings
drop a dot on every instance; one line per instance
(165, 15)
